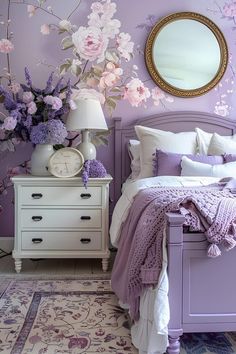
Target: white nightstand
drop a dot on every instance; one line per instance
(60, 218)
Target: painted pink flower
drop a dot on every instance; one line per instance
(92, 82)
(222, 110)
(6, 46)
(229, 9)
(45, 29)
(14, 87)
(136, 93)
(9, 123)
(124, 46)
(90, 43)
(32, 108)
(157, 95)
(27, 97)
(31, 10)
(110, 76)
(84, 93)
(55, 102)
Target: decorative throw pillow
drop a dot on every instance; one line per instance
(193, 168)
(152, 139)
(204, 139)
(169, 164)
(220, 145)
(229, 158)
(134, 154)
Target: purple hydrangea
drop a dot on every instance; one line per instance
(51, 132)
(92, 169)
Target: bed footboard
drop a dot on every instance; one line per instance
(175, 263)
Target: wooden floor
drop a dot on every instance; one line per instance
(56, 267)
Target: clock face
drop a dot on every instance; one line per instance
(66, 162)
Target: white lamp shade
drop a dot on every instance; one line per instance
(87, 115)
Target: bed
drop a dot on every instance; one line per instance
(200, 288)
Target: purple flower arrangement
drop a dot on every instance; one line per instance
(93, 169)
(35, 115)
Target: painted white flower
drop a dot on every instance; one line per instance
(74, 65)
(94, 20)
(111, 28)
(90, 43)
(157, 95)
(83, 93)
(124, 45)
(65, 25)
(31, 10)
(222, 110)
(136, 93)
(97, 7)
(27, 97)
(45, 29)
(109, 9)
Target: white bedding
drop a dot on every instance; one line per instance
(150, 333)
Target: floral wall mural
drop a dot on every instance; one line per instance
(53, 52)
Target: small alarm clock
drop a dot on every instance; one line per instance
(66, 162)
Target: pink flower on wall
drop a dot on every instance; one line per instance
(45, 29)
(6, 46)
(31, 10)
(90, 43)
(135, 92)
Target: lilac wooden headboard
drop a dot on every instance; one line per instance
(171, 121)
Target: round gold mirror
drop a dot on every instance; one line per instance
(186, 54)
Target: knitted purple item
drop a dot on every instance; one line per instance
(139, 258)
(92, 169)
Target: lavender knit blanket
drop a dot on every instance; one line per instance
(139, 258)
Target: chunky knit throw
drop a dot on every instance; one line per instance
(139, 258)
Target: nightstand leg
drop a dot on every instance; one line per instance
(18, 264)
(105, 264)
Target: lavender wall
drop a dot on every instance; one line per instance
(41, 52)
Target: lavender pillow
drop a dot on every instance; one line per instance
(229, 158)
(169, 164)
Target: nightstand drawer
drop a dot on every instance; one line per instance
(61, 218)
(62, 240)
(61, 196)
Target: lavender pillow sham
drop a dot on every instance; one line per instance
(229, 158)
(169, 164)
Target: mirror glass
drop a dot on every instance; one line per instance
(186, 54)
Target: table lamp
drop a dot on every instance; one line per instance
(87, 116)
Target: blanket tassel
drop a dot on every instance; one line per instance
(213, 251)
(229, 242)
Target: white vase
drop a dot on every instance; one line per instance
(39, 159)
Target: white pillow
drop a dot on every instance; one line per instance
(193, 168)
(134, 154)
(204, 139)
(152, 139)
(220, 145)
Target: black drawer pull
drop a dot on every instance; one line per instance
(37, 218)
(85, 240)
(36, 195)
(85, 195)
(85, 217)
(37, 240)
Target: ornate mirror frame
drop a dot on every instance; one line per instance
(156, 75)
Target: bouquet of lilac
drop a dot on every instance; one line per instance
(93, 169)
(34, 115)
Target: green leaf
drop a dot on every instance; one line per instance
(111, 103)
(41, 2)
(117, 97)
(76, 70)
(64, 68)
(67, 43)
(115, 89)
(2, 98)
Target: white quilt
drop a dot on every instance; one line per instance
(150, 333)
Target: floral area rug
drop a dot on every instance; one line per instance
(62, 316)
(208, 343)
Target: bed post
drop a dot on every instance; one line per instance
(175, 274)
(117, 159)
